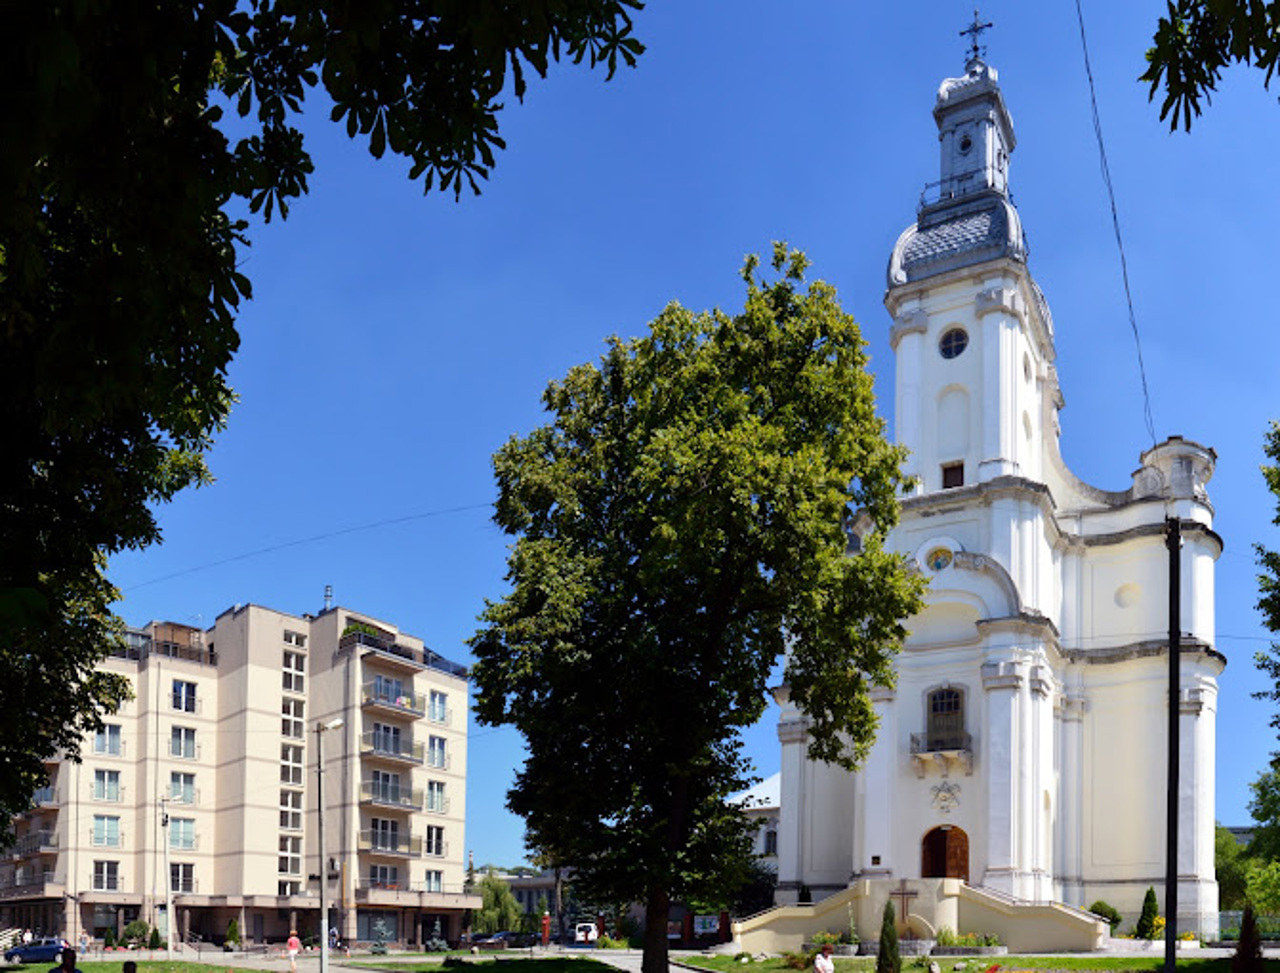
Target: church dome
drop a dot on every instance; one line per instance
(987, 228)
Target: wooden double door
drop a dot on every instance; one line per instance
(944, 853)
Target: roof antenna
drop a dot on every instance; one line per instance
(328, 597)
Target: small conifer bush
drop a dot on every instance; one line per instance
(887, 959)
(1147, 921)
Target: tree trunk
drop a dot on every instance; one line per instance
(657, 908)
(559, 907)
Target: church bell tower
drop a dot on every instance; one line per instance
(972, 336)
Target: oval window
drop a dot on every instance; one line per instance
(953, 343)
(939, 558)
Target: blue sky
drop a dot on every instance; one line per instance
(396, 341)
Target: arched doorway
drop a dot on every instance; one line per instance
(944, 853)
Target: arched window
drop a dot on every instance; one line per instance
(946, 720)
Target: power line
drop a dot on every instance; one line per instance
(298, 542)
(1115, 223)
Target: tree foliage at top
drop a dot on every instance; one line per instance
(1197, 39)
(119, 260)
(680, 527)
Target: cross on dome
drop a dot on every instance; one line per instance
(974, 31)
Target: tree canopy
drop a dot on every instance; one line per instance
(680, 528)
(1197, 40)
(499, 911)
(123, 192)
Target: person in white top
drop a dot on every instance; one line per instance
(823, 963)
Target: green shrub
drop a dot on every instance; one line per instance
(1248, 954)
(1107, 911)
(154, 942)
(799, 961)
(887, 959)
(109, 938)
(1147, 921)
(823, 937)
(233, 932)
(608, 942)
(136, 932)
(947, 937)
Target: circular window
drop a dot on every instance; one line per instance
(953, 343)
(966, 143)
(938, 558)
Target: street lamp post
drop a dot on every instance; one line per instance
(324, 862)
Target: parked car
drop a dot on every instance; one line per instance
(37, 951)
(585, 932)
(499, 940)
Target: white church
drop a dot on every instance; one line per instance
(1022, 753)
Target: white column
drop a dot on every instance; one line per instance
(1003, 682)
(907, 340)
(1069, 867)
(877, 823)
(998, 308)
(793, 735)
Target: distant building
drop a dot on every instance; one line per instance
(210, 774)
(763, 804)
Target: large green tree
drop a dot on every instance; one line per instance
(1197, 40)
(499, 911)
(680, 528)
(119, 256)
(1265, 804)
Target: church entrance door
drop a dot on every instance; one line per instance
(944, 853)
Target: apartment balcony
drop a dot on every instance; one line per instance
(393, 843)
(46, 798)
(952, 749)
(399, 798)
(390, 748)
(40, 885)
(381, 700)
(35, 843)
(386, 650)
(437, 805)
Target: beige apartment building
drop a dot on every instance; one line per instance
(208, 777)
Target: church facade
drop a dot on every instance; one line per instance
(1023, 748)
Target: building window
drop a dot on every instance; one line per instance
(438, 707)
(771, 840)
(182, 743)
(388, 690)
(290, 764)
(386, 738)
(953, 343)
(107, 741)
(433, 882)
(386, 787)
(182, 833)
(286, 887)
(291, 718)
(294, 667)
(435, 841)
(184, 696)
(952, 475)
(436, 756)
(946, 720)
(106, 831)
(182, 788)
(182, 876)
(384, 876)
(290, 856)
(291, 810)
(295, 638)
(436, 801)
(384, 834)
(106, 785)
(106, 876)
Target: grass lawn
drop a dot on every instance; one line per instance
(554, 964)
(979, 964)
(115, 965)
